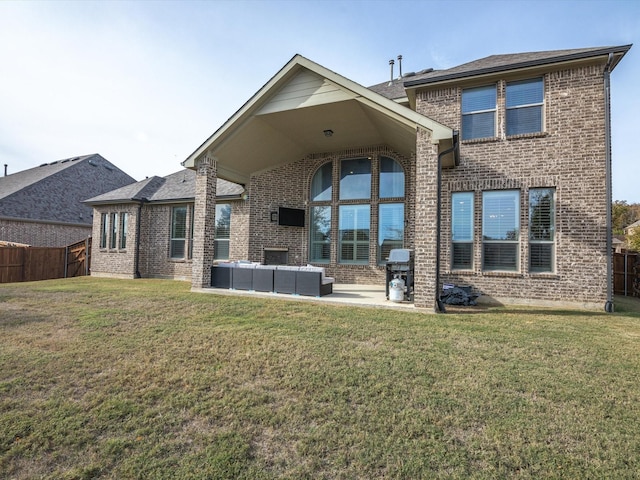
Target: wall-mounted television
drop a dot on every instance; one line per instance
(291, 217)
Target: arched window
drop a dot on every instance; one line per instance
(320, 221)
(354, 208)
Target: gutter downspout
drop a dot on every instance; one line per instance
(608, 306)
(141, 202)
(456, 155)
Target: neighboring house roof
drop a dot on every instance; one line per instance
(176, 187)
(54, 192)
(307, 108)
(631, 227)
(514, 61)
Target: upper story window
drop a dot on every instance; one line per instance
(479, 112)
(222, 231)
(355, 179)
(524, 104)
(500, 230)
(391, 178)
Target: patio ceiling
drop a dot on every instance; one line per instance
(287, 120)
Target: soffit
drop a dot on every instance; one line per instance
(286, 120)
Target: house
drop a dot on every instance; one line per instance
(485, 170)
(146, 229)
(629, 229)
(43, 207)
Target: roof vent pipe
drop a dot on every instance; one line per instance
(400, 66)
(391, 62)
(5, 169)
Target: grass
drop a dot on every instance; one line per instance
(121, 379)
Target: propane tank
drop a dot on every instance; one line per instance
(396, 290)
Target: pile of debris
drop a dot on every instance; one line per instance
(453, 295)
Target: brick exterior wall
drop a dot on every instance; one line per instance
(41, 234)
(289, 186)
(114, 262)
(155, 244)
(569, 156)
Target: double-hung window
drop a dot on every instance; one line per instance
(222, 231)
(178, 232)
(500, 230)
(462, 230)
(541, 230)
(479, 112)
(524, 106)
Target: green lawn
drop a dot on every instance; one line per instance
(123, 379)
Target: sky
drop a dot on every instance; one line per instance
(145, 83)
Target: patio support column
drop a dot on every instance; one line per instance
(204, 221)
(425, 220)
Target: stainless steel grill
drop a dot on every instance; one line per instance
(400, 265)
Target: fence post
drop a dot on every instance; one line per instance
(66, 260)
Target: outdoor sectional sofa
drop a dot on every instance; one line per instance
(308, 280)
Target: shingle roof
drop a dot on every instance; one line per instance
(178, 186)
(54, 192)
(498, 63)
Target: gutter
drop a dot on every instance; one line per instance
(141, 202)
(455, 148)
(608, 306)
(523, 64)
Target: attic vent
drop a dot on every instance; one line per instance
(92, 163)
(65, 161)
(74, 159)
(44, 164)
(108, 167)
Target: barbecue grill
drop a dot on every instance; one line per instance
(400, 265)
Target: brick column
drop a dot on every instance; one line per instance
(425, 221)
(204, 221)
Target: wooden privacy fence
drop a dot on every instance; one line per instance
(626, 274)
(28, 264)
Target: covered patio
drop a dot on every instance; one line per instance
(343, 294)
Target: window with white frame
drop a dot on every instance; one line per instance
(113, 237)
(178, 232)
(501, 230)
(541, 229)
(462, 231)
(524, 106)
(479, 112)
(222, 231)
